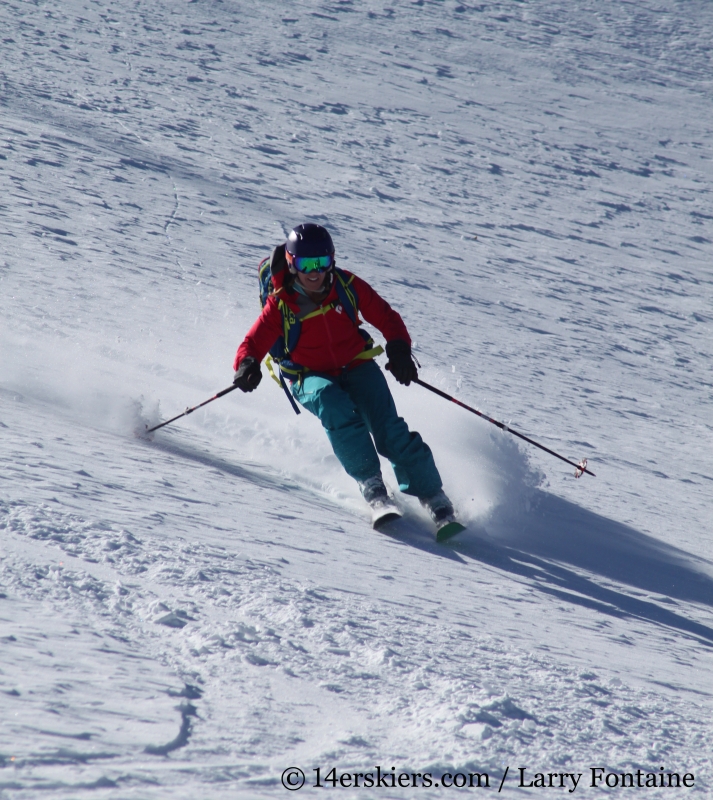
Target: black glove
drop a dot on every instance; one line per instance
(248, 375)
(400, 363)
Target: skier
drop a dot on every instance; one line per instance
(333, 374)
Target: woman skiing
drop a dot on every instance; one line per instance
(310, 323)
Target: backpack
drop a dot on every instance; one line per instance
(292, 326)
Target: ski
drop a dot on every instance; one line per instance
(449, 530)
(385, 513)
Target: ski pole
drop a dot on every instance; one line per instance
(191, 410)
(580, 468)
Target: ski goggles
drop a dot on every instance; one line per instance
(310, 263)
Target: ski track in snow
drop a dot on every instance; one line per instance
(530, 185)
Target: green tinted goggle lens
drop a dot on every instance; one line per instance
(313, 263)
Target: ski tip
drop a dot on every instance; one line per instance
(449, 530)
(385, 519)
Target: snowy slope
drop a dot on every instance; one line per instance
(529, 183)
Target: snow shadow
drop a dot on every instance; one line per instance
(252, 473)
(563, 531)
(255, 473)
(555, 532)
(419, 535)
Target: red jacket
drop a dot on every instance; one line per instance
(328, 341)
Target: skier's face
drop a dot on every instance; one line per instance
(312, 281)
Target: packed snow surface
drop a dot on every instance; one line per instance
(189, 614)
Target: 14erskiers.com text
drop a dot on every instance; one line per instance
(598, 778)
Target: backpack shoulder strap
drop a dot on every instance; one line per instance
(291, 326)
(347, 294)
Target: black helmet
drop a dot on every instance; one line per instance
(313, 244)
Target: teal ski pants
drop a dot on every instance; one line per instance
(356, 406)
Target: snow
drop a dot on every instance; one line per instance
(529, 184)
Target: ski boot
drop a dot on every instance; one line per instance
(383, 508)
(441, 510)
